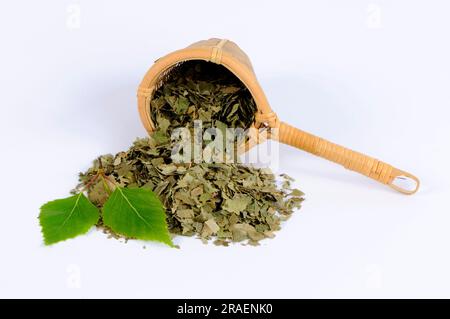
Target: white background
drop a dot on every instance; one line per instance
(370, 75)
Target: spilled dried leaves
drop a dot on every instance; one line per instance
(227, 202)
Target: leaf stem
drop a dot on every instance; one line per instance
(89, 183)
(110, 179)
(105, 178)
(100, 164)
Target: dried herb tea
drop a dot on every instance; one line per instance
(143, 192)
(230, 202)
(204, 91)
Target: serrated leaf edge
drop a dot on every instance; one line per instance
(70, 214)
(169, 243)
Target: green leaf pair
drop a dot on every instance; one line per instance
(132, 212)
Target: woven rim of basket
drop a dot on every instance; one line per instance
(265, 119)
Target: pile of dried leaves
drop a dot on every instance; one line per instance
(225, 201)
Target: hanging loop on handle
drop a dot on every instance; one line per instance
(355, 161)
(404, 182)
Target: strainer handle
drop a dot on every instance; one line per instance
(355, 161)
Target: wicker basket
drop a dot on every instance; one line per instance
(228, 54)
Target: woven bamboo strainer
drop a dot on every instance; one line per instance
(228, 54)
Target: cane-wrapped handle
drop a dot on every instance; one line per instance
(355, 161)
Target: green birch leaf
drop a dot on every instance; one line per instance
(66, 218)
(136, 213)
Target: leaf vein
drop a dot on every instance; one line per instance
(133, 208)
(71, 212)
